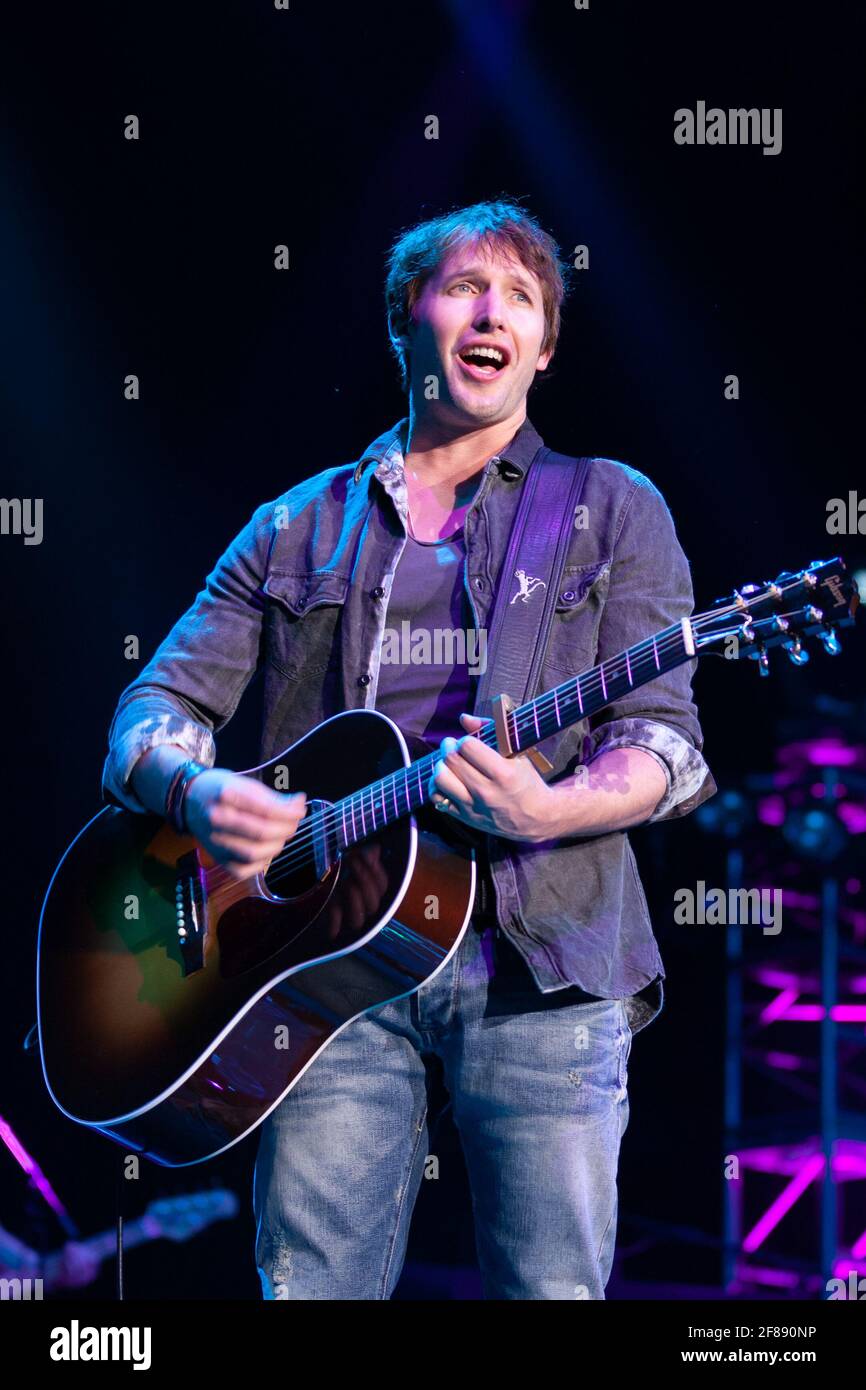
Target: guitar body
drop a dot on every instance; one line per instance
(179, 1048)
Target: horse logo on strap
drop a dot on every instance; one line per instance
(528, 584)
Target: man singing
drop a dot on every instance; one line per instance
(533, 1016)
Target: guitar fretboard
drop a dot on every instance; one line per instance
(381, 803)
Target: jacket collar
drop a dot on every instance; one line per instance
(387, 452)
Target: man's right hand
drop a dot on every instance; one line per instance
(239, 821)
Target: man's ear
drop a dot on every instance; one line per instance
(544, 361)
(398, 339)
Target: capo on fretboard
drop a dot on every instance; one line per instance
(502, 707)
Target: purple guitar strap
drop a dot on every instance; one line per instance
(523, 609)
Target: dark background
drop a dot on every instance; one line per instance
(156, 258)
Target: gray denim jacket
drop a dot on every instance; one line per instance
(301, 593)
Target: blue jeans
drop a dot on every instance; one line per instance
(538, 1090)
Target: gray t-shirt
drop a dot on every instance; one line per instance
(429, 661)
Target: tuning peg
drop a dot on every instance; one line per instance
(763, 662)
(832, 645)
(742, 596)
(796, 652)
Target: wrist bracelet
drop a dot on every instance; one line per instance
(174, 801)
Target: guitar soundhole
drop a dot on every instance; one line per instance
(290, 881)
(305, 860)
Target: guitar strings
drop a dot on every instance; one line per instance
(297, 850)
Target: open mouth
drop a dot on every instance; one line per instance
(483, 363)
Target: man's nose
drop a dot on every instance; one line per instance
(491, 312)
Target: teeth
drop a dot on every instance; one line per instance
(494, 354)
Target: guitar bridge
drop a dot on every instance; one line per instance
(190, 913)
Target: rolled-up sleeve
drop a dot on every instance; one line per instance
(193, 683)
(650, 588)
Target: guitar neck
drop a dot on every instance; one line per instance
(104, 1245)
(381, 803)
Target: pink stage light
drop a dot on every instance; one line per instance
(853, 817)
(777, 1008)
(785, 1061)
(760, 1274)
(771, 810)
(813, 1013)
(827, 752)
(783, 1203)
(778, 1158)
(810, 901)
(842, 1268)
(32, 1169)
(849, 1157)
(777, 979)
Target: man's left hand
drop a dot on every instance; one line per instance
(501, 796)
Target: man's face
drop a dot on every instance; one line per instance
(477, 298)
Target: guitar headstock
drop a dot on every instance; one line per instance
(790, 612)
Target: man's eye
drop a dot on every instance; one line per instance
(466, 284)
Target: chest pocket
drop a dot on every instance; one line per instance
(302, 620)
(574, 632)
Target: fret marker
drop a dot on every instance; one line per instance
(688, 636)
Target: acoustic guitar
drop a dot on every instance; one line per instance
(177, 1005)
